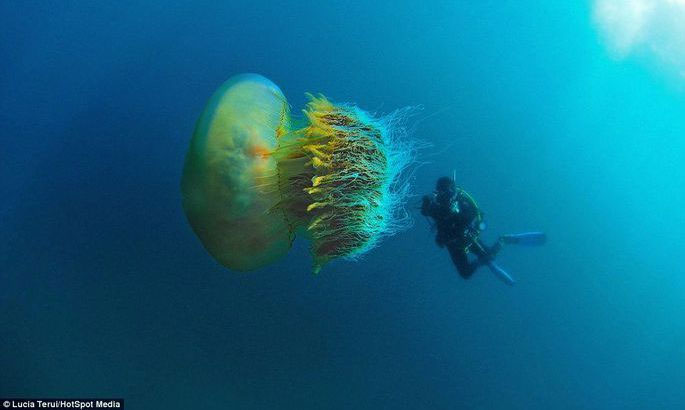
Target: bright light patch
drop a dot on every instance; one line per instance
(650, 27)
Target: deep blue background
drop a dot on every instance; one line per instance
(105, 290)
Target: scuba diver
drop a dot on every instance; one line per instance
(459, 222)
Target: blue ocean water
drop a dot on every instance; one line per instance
(106, 291)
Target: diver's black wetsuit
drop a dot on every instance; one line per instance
(457, 219)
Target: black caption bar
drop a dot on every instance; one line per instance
(61, 404)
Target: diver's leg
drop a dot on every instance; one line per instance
(495, 248)
(485, 253)
(461, 261)
(525, 238)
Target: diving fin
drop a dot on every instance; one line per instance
(501, 274)
(526, 238)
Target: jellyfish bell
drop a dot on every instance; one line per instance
(228, 183)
